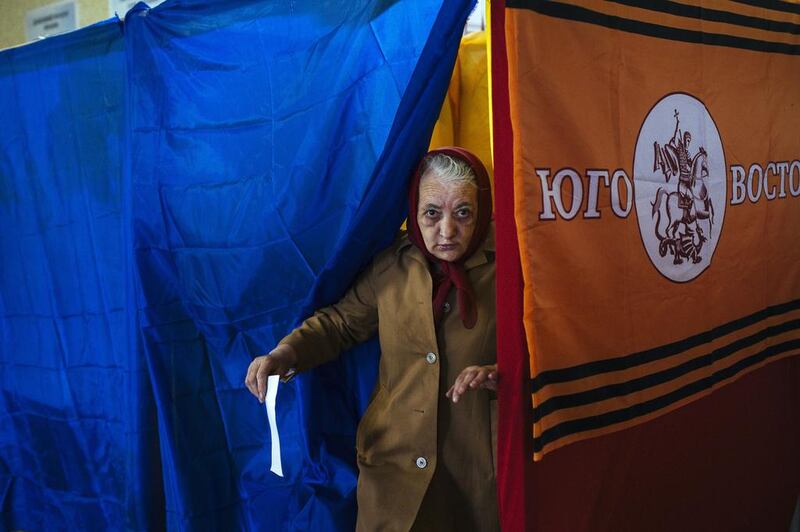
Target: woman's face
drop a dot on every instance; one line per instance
(446, 216)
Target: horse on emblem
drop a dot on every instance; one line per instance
(677, 213)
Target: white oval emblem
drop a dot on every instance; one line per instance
(680, 186)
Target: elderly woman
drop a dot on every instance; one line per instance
(424, 444)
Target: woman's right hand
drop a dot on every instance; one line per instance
(277, 362)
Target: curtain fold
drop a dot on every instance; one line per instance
(176, 193)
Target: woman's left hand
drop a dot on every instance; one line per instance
(473, 378)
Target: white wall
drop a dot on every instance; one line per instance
(12, 15)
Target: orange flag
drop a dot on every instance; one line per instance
(657, 186)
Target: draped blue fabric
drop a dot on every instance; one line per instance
(77, 419)
(177, 193)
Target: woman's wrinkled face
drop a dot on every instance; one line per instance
(446, 216)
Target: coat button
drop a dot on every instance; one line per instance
(431, 358)
(422, 463)
(446, 307)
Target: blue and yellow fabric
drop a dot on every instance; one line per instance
(176, 192)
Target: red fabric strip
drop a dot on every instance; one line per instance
(514, 453)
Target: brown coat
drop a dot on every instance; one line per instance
(412, 442)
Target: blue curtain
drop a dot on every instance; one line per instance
(77, 420)
(177, 192)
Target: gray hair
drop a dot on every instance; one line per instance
(449, 169)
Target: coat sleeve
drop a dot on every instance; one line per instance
(337, 328)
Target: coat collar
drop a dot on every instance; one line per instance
(483, 255)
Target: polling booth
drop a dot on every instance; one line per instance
(181, 186)
(178, 189)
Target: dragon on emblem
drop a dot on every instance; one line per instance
(682, 236)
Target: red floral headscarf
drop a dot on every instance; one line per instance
(453, 273)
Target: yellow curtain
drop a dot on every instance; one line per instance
(464, 118)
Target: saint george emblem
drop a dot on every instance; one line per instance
(679, 179)
(677, 212)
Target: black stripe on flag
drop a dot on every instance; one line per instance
(581, 14)
(648, 381)
(597, 367)
(624, 414)
(712, 15)
(786, 7)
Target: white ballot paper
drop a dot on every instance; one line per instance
(272, 394)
